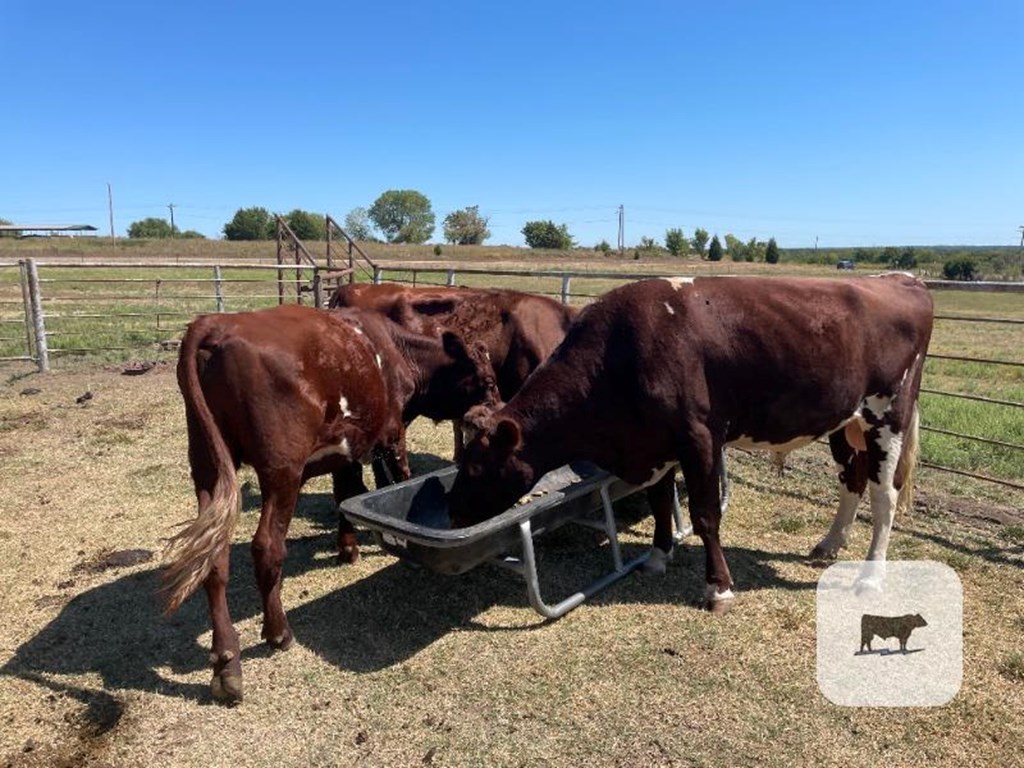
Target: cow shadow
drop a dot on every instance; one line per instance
(318, 508)
(889, 652)
(116, 630)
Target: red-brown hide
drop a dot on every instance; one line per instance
(671, 371)
(519, 330)
(297, 392)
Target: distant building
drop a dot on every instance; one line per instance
(50, 230)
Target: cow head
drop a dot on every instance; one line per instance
(918, 620)
(493, 474)
(466, 380)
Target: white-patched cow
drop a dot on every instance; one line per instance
(667, 372)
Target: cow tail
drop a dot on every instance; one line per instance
(908, 463)
(191, 553)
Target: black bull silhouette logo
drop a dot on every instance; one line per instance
(889, 626)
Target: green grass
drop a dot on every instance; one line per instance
(1012, 667)
(87, 313)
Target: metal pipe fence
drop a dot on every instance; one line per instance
(121, 307)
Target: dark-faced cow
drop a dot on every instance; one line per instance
(670, 371)
(885, 627)
(296, 392)
(518, 329)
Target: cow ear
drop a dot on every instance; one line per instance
(507, 435)
(454, 346)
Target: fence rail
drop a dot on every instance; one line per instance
(159, 297)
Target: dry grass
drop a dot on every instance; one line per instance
(396, 666)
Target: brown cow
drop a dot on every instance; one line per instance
(296, 392)
(670, 371)
(519, 329)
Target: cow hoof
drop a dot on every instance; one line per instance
(282, 642)
(718, 607)
(717, 602)
(822, 554)
(226, 689)
(869, 586)
(871, 578)
(656, 562)
(348, 555)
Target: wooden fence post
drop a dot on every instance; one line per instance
(565, 288)
(27, 305)
(451, 278)
(377, 275)
(156, 302)
(38, 323)
(218, 289)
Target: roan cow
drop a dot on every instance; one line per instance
(295, 393)
(667, 372)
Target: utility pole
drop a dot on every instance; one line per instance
(1021, 228)
(622, 229)
(171, 206)
(110, 210)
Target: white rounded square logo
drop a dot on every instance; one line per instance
(889, 634)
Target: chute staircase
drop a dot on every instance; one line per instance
(344, 261)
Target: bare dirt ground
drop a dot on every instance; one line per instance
(398, 666)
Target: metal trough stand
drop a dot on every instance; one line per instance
(571, 497)
(526, 566)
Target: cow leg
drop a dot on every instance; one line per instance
(347, 482)
(659, 496)
(460, 440)
(853, 479)
(883, 452)
(701, 465)
(226, 655)
(280, 492)
(392, 464)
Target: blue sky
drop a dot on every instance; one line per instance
(868, 123)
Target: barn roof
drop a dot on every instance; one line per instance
(47, 228)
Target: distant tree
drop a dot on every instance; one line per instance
(547, 234)
(771, 253)
(715, 250)
(736, 248)
(251, 224)
(959, 269)
(755, 249)
(676, 242)
(190, 234)
(306, 225)
(699, 241)
(357, 224)
(466, 226)
(150, 228)
(604, 247)
(906, 259)
(5, 222)
(403, 215)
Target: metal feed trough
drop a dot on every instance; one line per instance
(410, 521)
